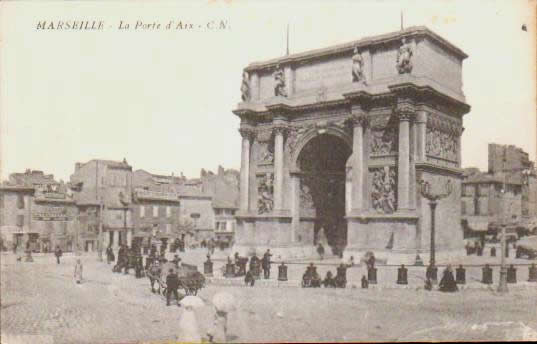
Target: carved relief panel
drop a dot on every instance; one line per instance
(442, 138)
(265, 153)
(384, 189)
(383, 141)
(265, 193)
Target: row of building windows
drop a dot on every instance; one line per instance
(222, 226)
(20, 201)
(155, 210)
(224, 212)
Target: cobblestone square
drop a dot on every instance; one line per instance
(41, 303)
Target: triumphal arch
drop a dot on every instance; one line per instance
(337, 141)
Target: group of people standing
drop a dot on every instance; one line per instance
(255, 265)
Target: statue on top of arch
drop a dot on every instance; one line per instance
(358, 67)
(279, 82)
(404, 57)
(245, 87)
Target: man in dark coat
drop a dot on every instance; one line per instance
(266, 264)
(109, 255)
(329, 280)
(447, 283)
(249, 278)
(58, 253)
(254, 265)
(172, 284)
(320, 250)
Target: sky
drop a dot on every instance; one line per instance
(162, 99)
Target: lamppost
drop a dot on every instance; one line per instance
(502, 285)
(425, 190)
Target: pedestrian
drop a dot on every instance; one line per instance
(58, 253)
(218, 331)
(365, 282)
(188, 326)
(447, 283)
(109, 255)
(14, 248)
(371, 261)
(428, 284)
(176, 260)
(329, 280)
(254, 265)
(249, 278)
(266, 264)
(320, 250)
(172, 284)
(78, 271)
(154, 275)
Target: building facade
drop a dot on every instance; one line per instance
(126, 206)
(37, 212)
(105, 188)
(337, 140)
(505, 194)
(156, 208)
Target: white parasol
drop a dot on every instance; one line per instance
(224, 302)
(192, 301)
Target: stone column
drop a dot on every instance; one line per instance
(412, 167)
(129, 237)
(115, 240)
(359, 123)
(403, 167)
(246, 134)
(295, 205)
(106, 239)
(278, 168)
(421, 129)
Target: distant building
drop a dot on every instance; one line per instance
(224, 187)
(506, 194)
(127, 206)
(105, 185)
(155, 208)
(37, 212)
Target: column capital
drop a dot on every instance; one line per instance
(280, 129)
(405, 113)
(247, 133)
(358, 120)
(421, 116)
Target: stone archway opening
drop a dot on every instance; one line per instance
(322, 178)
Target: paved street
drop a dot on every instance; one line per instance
(42, 299)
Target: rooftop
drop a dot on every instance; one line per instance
(366, 41)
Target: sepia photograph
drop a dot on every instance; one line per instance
(241, 171)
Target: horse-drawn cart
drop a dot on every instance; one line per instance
(190, 279)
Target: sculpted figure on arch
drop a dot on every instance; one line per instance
(245, 87)
(279, 82)
(358, 67)
(404, 57)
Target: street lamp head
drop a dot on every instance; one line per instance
(425, 188)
